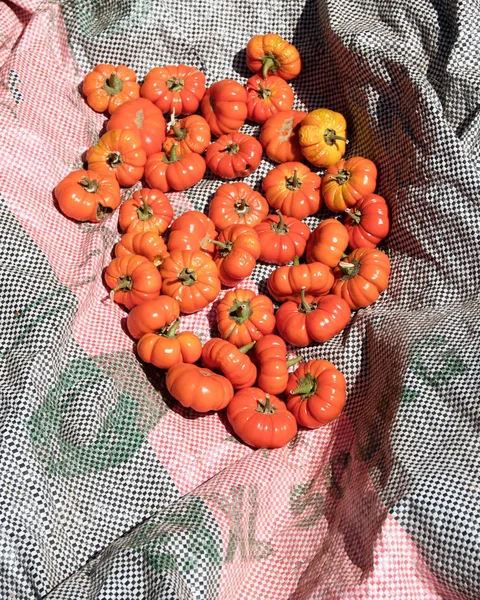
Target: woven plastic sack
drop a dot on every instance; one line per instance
(110, 490)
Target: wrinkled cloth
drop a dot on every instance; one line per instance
(111, 490)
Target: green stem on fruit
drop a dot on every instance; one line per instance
(305, 307)
(180, 132)
(280, 228)
(225, 247)
(307, 386)
(241, 207)
(175, 84)
(125, 282)
(294, 361)
(113, 85)
(187, 276)
(331, 136)
(240, 311)
(269, 63)
(89, 185)
(172, 156)
(232, 148)
(350, 269)
(264, 92)
(293, 183)
(265, 407)
(145, 211)
(170, 333)
(247, 347)
(114, 159)
(355, 215)
(342, 176)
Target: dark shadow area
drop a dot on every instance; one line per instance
(123, 325)
(448, 35)
(262, 287)
(320, 82)
(222, 415)
(22, 14)
(466, 123)
(240, 64)
(360, 453)
(208, 201)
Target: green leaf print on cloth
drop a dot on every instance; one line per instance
(91, 422)
(157, 541)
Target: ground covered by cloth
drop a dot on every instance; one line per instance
(112, 491)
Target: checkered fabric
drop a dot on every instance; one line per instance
(112, 491)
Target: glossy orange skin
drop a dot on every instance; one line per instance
(365, 286)
(267, 97)
(96, 90)
(238, 262)
(328, 318)
(279, 136)
(237, 204)
(286, 282)
(163, 351)
(224, 106)
(287, 59)
(320, 407)
(234, 155)
(327, 243)
(159, 81)
(146, 280)
(145, 118)
(190, 134)
(348, 181)
(313, 141)
(76, 202)
(127, 146)
(202, 291)
(281, 245)
(148, 244)
(192, 230)
(198, 388)
(244, 316)
(374, 225)
(132, 217)
(259, 429)
(293, 189)
(180, 174)
(152, 316)
(270, 356)
(236, 366)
